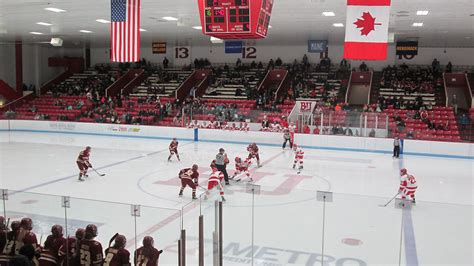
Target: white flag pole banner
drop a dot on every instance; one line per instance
(367, 29)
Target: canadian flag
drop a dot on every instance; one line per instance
(367, 29)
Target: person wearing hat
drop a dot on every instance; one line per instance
(221, 162)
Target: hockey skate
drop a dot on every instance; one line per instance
(294, 165)
(250, 180)
(223, 199)
(180, 194)
(80, 178)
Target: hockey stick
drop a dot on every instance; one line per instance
(390, 200)
(97, 172)
(112, 239)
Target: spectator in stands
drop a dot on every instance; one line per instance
(435, 65)
(464, 121)
(316, 131)
(410, 134)
(372, 133)
(378, 109)
(449, 67)
(278, 62)
(348, 132)
(165, 62)
(363, 67)
(265, 123)
(306, 129)
(33, 109)
(454, 103)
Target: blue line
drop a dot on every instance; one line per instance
(411, 255)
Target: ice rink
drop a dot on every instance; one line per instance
(288, 219)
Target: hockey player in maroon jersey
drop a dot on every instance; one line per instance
(3, 233)
(242, 167)
(91, 250)
(253, 153)
(189, 177)
(147, 255)
(117, 255)
(25, 236)
(47, 256)
(173, 149)
(83, 162)
(69, 251)
(56, 239)
(12, 246)
(408, 185)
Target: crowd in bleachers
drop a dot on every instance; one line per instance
(19, 246)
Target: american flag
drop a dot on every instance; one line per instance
(125, 31)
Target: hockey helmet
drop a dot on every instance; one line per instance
(148, 241)
(120, 241)
(80, 233)
(26, 223)
(91, 231)
(403, 171)
(57, 230)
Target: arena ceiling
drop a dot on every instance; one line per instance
(448, 23)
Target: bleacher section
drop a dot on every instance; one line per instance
(314, 81)
(226, 83)
(439, 115)
(162, 83)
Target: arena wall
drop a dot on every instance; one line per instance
(339, 143)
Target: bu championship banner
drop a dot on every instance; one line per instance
(367, 29)
(407, 48)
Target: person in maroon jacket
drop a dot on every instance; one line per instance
(189, 177)
(147, 255)
(56, 239)
(3, 233)
(69, 251)
(47, 256)
(117, 255)
(91, 250)
(12, 247)
(25, 236)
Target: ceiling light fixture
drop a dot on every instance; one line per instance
(338, 25)
(103, 21)
(197, 27)
(270, 26)
(170, 18)
(329, 14)
(85, 31)
(143, 30)
(53, 9)
(216, 40)
(44, 24)
(417, 24)
(36, 33)
(422, 12)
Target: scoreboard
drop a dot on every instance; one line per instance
(235, 19)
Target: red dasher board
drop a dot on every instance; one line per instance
(235, 19)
